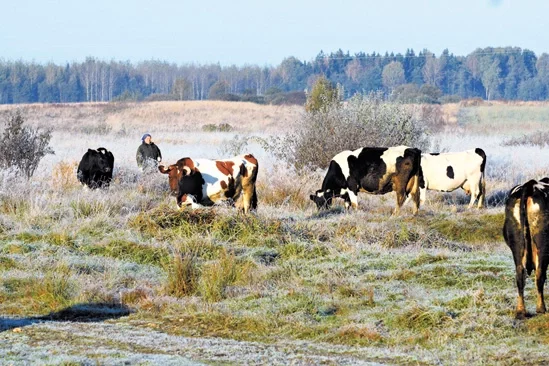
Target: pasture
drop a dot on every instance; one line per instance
(121, 275)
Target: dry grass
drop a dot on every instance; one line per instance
(63, 175)
(184, 116)
(334, 286)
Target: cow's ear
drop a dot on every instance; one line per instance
(163, 169)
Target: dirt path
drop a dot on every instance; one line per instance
(106, 343)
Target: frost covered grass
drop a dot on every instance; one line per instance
(125, 270)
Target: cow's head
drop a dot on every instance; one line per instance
(103, 161)
(182, 168)
(322, 199)
(189, 190)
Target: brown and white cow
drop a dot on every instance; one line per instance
(376, 170)
(206, 182)
(526, 232)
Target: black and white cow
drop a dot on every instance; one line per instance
(526, 232)
(376, 170)
(446, 172)
(95, 168)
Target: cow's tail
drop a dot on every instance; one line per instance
(527, 191)
(482, 183)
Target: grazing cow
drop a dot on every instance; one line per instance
(376, 170)
(206, 182)
(447, 172)
(526, 232)
(95, 168)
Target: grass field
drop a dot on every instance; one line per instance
(121, 276)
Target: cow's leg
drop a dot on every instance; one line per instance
(520, 277)
(541, 272)
(352, 192)
(475, 192)
(415, 191)
(350, 197)
(249, 195)
(482, 194)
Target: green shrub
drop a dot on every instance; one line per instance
(323, 96)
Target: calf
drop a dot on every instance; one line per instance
(95, 168)
(206, 182)
(447, 172)
(526, 232)
(376, 170)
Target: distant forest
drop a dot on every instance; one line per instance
(509, 73)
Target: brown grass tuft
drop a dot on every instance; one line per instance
(63, 175)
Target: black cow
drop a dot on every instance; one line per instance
(95, 168)
(376, 170)
(526, 232)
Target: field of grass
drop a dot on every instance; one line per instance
(122, 276)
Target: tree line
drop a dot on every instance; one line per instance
(509, 73)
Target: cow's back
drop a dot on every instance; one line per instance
(449, 171)
(526, 232)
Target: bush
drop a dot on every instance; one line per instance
(539, 139)
(323, 96)
(362, 121)
(22, 148)
(222, 127)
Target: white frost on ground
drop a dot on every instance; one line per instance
(115, 344)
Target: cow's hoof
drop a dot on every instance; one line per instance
(520, 315)
(541, 310)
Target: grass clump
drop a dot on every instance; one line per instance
(426, 258)
(420, 318)
(7, 263)
(13, 205)
(86, 208)
(129, 251)
(183, 275)
(356, 334)
(400, 235)
(249, 230)
(301, 250)
(470, 229)
(17, 248)
(216, 276)
(163, 220)
(54, 291)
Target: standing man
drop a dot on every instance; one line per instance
(148, 154)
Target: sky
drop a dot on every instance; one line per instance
(264, 33)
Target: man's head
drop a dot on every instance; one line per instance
(146, 138)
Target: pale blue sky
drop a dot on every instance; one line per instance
(259, 32)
